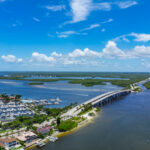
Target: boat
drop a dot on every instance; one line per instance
(52, 100)
(58, 99)
(40, 144)
(53, 138)
(56, 103)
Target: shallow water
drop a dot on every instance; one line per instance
(122, 125)
(68, 93)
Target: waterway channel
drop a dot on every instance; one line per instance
(122, 125)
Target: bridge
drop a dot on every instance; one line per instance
(98, 101)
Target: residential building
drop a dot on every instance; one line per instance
(27, 137)
(9, 143)
(44, 129)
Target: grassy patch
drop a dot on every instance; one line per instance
(98, 109)
(67, 125)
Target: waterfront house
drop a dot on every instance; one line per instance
(9, 143)
(27, 137)
(44, 129)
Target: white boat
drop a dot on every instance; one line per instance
(58, 100)
(52, 100)
(40, 144)
(56, 103)
(53, 138)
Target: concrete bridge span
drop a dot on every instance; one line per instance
(97, 101)
(110, 97)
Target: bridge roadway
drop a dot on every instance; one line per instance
(96, 101)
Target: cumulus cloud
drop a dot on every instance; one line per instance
(84, 57)
(38, 57)
(11, 58)
(111, 51)
(56, 8)
(86, 53)
(140, 51)
(55, 54)
(141, 37)
(138, 37)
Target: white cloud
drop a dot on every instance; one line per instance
(108, 21)
(36, 19)
(56, 8)
(86, 53)
(141, 37)
(37, 57)
(102, 6)
(66, 34)
(91, 27)
(55, 54)
(80, 9)
(111, 51)
(126, 4)
(11, 58)
(140, 51)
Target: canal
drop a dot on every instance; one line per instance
(122, 125)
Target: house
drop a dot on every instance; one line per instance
(12, 97)
(9, 143)
(44, 129)
(27, 137)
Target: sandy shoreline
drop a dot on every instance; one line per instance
(80, 125)
(89, 119)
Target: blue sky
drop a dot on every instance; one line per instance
(75, 35)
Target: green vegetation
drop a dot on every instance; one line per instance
(7, 98)
(147, 85)
(2, 148)
(131, 77)
(86, 108)
(67, 125)
(40, 135)
(98, 109)
(122, 83)
(21, 143)
(78, 74)
(91, 114)
(87, 82)
(92, 82)
(36, 83)
(38, 118)
(25, 121)
(137, 89)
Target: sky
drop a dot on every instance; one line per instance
(75, 35)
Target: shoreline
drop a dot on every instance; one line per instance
(82, 124)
